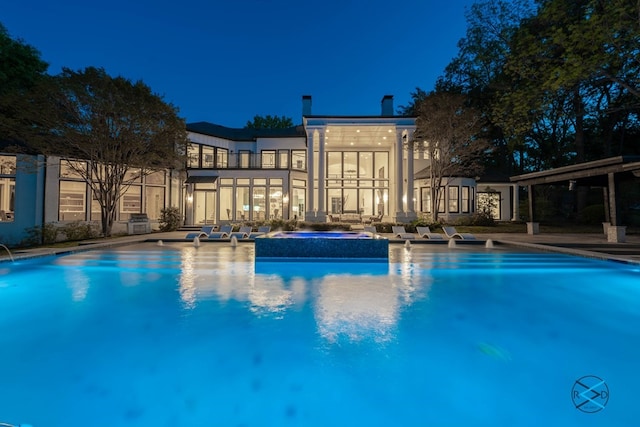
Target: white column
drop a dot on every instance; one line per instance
(310, 214)
(322, 210)
(411, 212)
(516, 202)
(399, 177)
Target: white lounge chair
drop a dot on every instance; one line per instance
(370, 229)
(451, 233)
(401, 233)
(243, 233)
(261, 230)
(224, 232)
(426, 233)
(204, 232)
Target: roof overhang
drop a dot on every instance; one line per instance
(589, 173)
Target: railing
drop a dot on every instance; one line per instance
(249, 161)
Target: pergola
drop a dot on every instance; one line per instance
(605, 173)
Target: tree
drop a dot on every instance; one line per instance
(121, 128)
(411, 109)
(447, 131)
(269, 122)
(20, 69)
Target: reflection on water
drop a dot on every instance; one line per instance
(352, 301)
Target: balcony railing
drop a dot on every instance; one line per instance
(247, 161)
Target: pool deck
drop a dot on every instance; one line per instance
(582, 244)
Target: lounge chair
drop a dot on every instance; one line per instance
(401, 233)
(224, 232)
(204, 232)
(261, 230)
(370, 229)
(426, 233)
(451, 233)
(243, 233)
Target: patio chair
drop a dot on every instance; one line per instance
(401, 233)
(426, 233)
(451, 233)
(243, 233)
(204, 232)
(373, 219)
(224, 232)
(261, 230)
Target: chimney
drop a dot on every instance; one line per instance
(306, 105)
(387, 105)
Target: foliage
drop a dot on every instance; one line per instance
(170, 219)
(480, 219)
(79, 230)
(45, 234)
(269, 122)
(411, 110)
(123, 129)
(447, 132)
(20, 69)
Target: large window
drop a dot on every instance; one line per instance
(425, 199)
(72, 203)
(131, 202)
(7, 187)
(73, 169)
(357, 182)
(193, 156)
(153, 202)
(222, 157)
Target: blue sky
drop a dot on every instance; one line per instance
(224, 61)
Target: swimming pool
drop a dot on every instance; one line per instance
(183, 336)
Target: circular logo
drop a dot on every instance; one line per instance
(590, 394)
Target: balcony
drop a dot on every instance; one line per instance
(248, 161)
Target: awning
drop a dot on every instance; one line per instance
(201, 179)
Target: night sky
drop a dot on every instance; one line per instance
(224, 61)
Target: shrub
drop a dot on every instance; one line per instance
(41, 234)
(170, 219)
(79, 230)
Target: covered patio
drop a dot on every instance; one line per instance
(605, 173)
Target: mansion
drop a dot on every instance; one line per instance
(329, 168)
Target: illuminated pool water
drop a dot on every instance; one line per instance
(183, 336)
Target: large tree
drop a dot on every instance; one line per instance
(269, 122)
(447, 130)
(20, 69)
(121, 128)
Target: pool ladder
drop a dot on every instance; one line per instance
(11, 258)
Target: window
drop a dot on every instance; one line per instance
(222, 157)
(73, 169)
(133, 175)
(299, 159)
(453, 199)
(425, 199)
(244, 159)
(193, 156)
(72, 202)
(131, 202)
(259, 203)
(157, 178)
(465, 199)
(283, 159)
(268, 159)
(7, 187)
(208, 157)
(153, 201)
